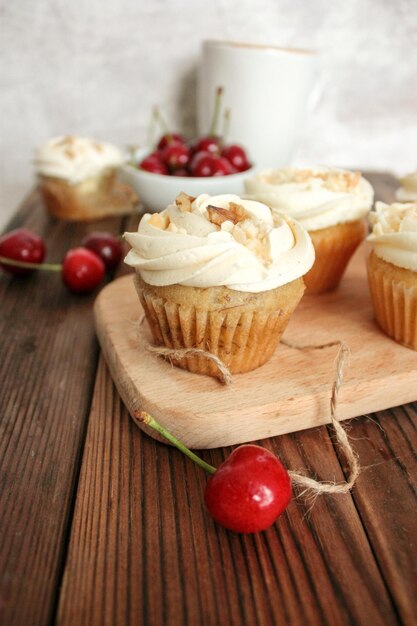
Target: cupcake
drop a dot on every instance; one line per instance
(77, 179)
(392, 270)
(330, 204)
(408, 190)
(220, 274)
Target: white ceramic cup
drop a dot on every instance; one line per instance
(266, 89)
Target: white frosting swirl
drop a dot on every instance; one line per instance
(195, 252)
(408, 190)
(74, 159)
(317, 198)
(394, 233)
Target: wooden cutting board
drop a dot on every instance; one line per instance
(291, 392)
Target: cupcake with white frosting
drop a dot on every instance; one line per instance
(77, 179)
(220, 274)
(392, 270)
(331, 204)
(408, 190)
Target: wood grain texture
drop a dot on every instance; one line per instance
(386, 499)
(137, 547)
(143, 549)
(290, 392)
(49, 358)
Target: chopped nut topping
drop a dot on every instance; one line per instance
(332, 179)
(159, 221)
(239, 235)
(70, 153)
(98, 146)
(235, 213)
(183, 202)
(239, 211)
(217, 215)
(249, 228)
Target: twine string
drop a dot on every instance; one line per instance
(224, 375)
(176, 354)
(341, 437)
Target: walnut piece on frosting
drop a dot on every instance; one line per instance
(159, 220)
(235, 214)
(184, 201)
(234, 220)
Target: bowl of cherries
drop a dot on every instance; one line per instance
(202, 165)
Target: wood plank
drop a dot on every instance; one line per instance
(143, 550)
(49, 359)
(386, 498)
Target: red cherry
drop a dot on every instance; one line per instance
(222, 167)
(153, 163)
(196, 157)
(176, 156)
(168, 139)
(106, 246)
(82, 270)
(21, 245)
(207, 144)
(249, 490)
(236, 155)
(202, 164)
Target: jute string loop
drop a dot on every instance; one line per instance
(224, 374)
(309, 484)
(341, 437)
(177, 354)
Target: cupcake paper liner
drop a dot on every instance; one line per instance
(242, 337)
(394, 301)
(334, 248)
(88, 200)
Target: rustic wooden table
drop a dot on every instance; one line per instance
(101, 524)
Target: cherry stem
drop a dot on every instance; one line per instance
(148, 420)
(151, 128)
(226, 125)
(50, 267)
(216, 112)
(159, 118)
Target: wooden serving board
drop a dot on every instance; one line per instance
(291, 392)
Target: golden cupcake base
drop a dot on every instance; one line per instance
(334, 247)
(394, 298)
(242, 329)
(92, 199)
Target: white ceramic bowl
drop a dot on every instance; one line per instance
(156, 191)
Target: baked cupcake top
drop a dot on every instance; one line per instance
(74, 159)
(316, 197)
(212, 241)
(394, 233)
(408, 190)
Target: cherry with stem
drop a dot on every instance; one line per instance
(247, 492)
(21, 249)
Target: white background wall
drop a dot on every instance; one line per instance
(96, 67)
